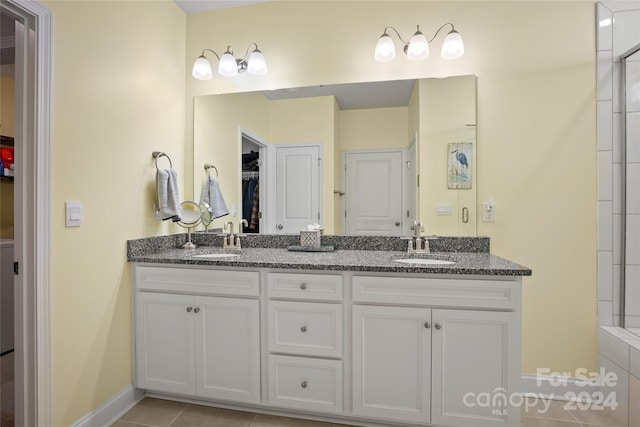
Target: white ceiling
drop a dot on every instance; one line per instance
(354, 96)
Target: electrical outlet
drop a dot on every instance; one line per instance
(489, 211)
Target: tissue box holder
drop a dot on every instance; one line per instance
(310, 238)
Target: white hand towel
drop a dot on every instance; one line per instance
(212, 196)
(168, 194)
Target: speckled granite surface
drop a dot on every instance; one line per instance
(360, 243)
(465, 262)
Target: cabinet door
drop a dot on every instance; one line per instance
(165, 343)
(391, 363)
(228, 349)
(476, 365)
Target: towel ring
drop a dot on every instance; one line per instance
(157, 154)
(208, 167)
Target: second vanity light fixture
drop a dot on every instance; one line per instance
(228, 65)
(418, 47)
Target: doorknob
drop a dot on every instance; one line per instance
(397, 223)
(280, 226)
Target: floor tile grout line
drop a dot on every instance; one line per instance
(134, 423)
(574, 421)
(180, 413)
(254, 419)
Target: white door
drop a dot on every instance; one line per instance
(298, 189)
(228, 349)
(410, 172)
(391, 363)
(165, 343)
(373, 186)
(471, 352)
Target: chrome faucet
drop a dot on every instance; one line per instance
(230, 240)
(416, 243)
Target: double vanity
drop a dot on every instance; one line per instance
(361, 337)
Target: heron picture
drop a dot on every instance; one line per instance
(460, 161)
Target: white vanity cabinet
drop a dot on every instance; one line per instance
(305, 341)
(416, 362)
(383, 348)
(197, 333)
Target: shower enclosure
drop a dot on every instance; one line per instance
(630, 189)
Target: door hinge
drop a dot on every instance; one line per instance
(407, 214)
(319, 160)
(260, 215)
(418, 180)
(16, 268)
(345, 214)
(318, 215)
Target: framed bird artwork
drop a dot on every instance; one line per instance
(459, 164)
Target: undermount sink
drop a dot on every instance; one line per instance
(214, 256)
(424, 261)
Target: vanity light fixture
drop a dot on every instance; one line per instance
(228, 65)
(418, 47)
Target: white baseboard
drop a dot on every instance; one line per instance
(548, 387)
(107, 413)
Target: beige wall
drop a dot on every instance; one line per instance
(374, 129)
(535, 115)
(118, 95)
(7, 100)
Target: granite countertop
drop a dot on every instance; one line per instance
(480, 263)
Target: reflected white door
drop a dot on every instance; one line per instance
(410, 171)
(297, 187)
(373, 200)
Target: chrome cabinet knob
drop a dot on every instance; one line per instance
(303, 384)
(280, 226)
(303, 286)
(189, 309)
(397, 223)
(303, 329)
(427, 325)
(438, 326)
(196, 310)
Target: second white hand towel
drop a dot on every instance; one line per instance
(212, 196)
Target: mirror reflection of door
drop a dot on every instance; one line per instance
(410, 175)
(373, 199)
(253, 200)
(298, 189)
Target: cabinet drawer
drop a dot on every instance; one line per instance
(305, 383)
(305, 328)
(445, 292)
(305, 286)
(198, 281)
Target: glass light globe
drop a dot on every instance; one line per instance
(228, 66)
(202, 69)
(453, 46)
(418, 48)
(257, 64)
(385, 49)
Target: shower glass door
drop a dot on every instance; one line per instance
(630, 183)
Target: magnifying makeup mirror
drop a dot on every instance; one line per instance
(190, 216)
(207, 217)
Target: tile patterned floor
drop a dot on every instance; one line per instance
(163, 413)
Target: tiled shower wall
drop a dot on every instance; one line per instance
(618, 30)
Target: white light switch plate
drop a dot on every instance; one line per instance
(73, 213)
